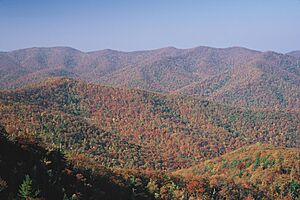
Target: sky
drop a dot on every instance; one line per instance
(130, 25)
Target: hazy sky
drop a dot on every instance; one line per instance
(148, 24)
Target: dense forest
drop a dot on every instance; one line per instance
(183, 124)
(29, 171)
(138, 129)
(234, 76)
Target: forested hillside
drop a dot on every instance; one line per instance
(235, 76)
(199, 123)
(263, 170)
(47, 174)
(29, 171)
(130, 128)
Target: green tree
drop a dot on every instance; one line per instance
(26, 190)
(294, 188)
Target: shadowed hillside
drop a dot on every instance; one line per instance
(254, 172)
(53, 177)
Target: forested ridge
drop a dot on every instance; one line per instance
(200, 123)
(138, 129)
(234, 76)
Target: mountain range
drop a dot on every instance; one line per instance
(235, 76)
(199, 123)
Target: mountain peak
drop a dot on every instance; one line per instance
(32, 49)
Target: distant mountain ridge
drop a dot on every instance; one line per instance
(236, 75)
(294, 53)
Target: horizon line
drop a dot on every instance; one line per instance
(142, 50)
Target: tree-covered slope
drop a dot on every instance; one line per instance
(29, 171)
(235, 76)
(126, 128)
(253, 172)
